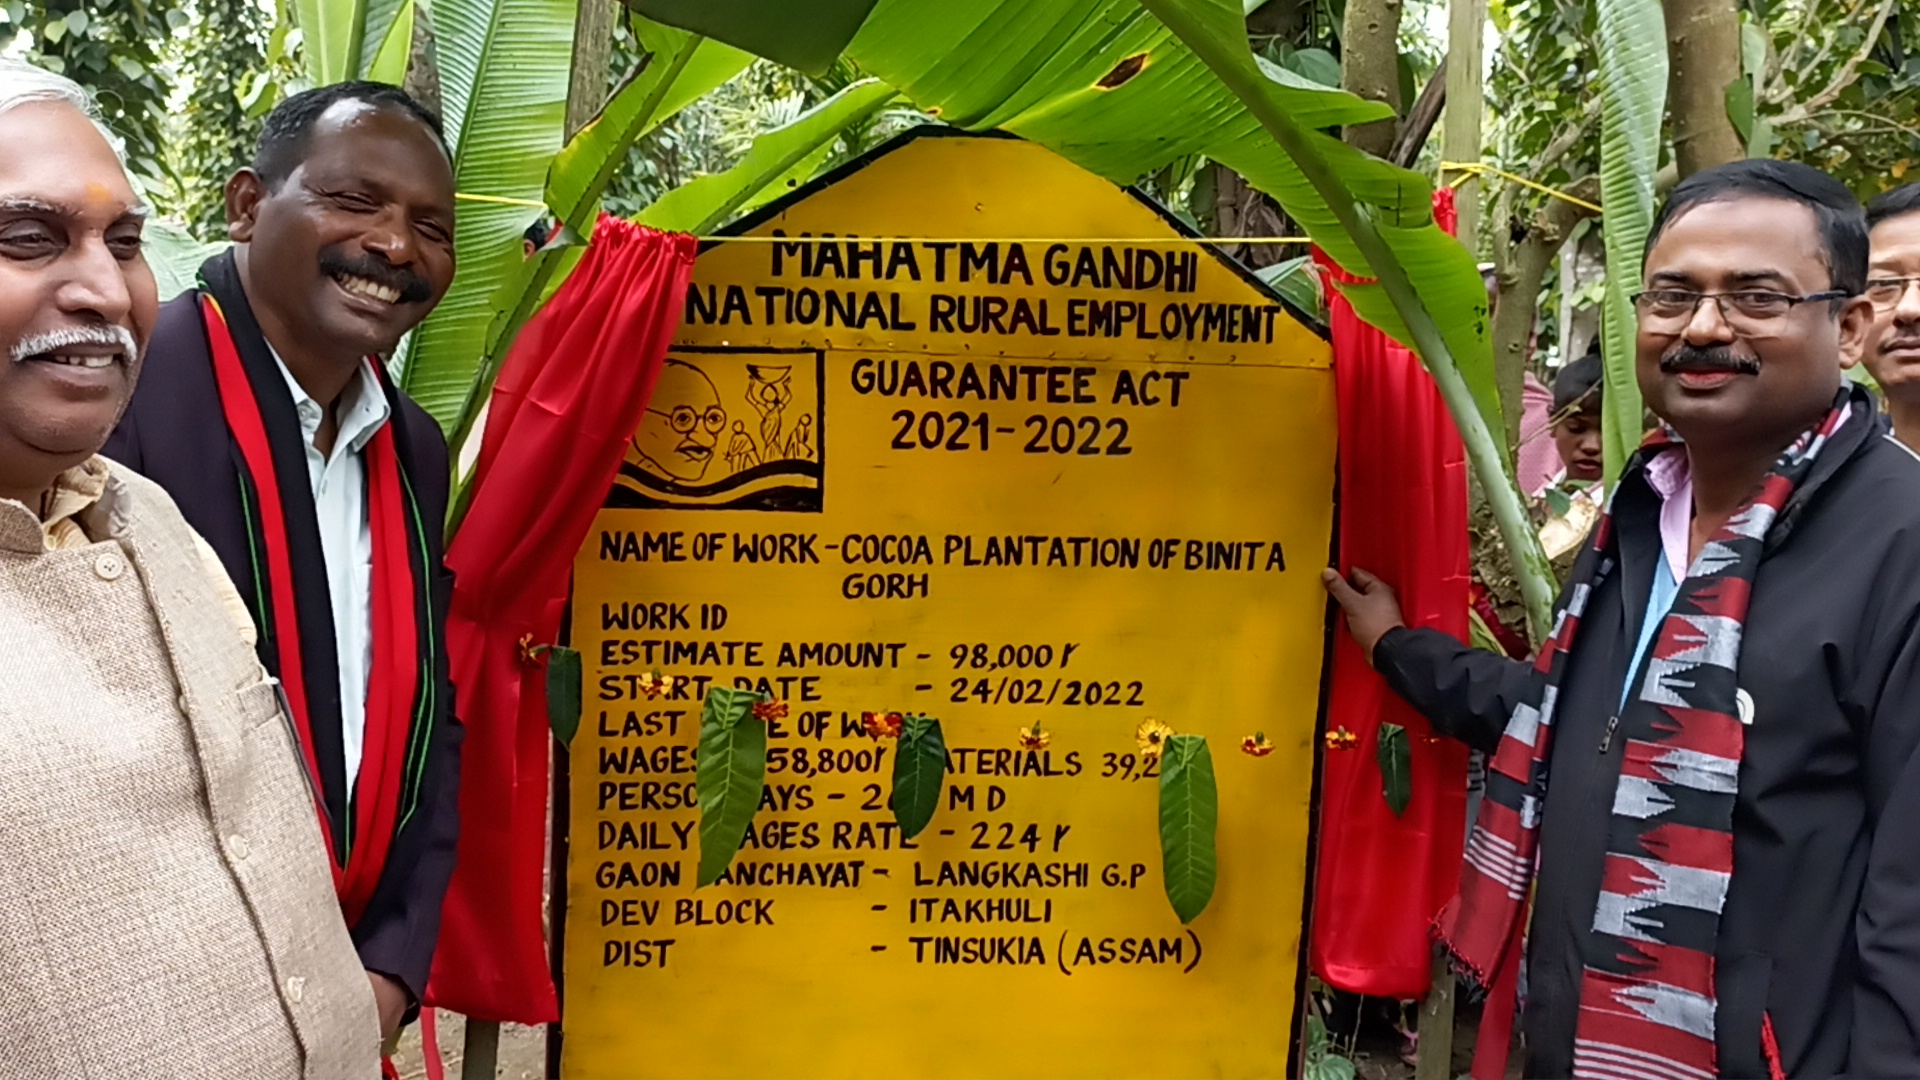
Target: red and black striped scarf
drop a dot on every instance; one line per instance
(1647, 999)
(291, 605)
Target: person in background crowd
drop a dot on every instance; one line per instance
(168, 908)
(268, 415)
(1572, 500)
(1713, 757)
(1577, 394)
(1893, 287)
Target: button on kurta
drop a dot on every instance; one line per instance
(238, 847)
(296, 989)
(109, 566)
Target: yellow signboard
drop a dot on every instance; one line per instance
(1046, 462)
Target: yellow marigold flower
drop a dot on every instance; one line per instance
(1341, 739)
(1256, 744)
(1033, 738)
(881, 725)
(1152, 736)
(774, 709)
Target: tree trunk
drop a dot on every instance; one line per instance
(1520, 282)
(1240, 210)
(592, 56)
(1370, 67)
(1703, 50)
(423, 73)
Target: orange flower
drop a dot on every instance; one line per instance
(656, 684)
(1256, 744)
(881, 725)
(1151, 736)
(1341, 739)
(1033, 738)
(771, 709)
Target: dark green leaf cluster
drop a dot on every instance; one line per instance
(116, 50)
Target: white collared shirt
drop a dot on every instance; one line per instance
(346, 538)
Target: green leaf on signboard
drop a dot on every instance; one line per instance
(563, 693)
(1395, 755)
(731, 768)
(918, 772)
(1189, 814)
(778, 161)
(807, 36)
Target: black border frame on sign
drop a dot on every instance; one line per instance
(560, 800)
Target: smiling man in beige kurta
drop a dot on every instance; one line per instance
(166, 906)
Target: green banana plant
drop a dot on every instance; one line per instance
(1633, 98)
(355, 39)
(504, 68)
(1124, 91)
(679, 70)
(777, 161)
(1374, 218)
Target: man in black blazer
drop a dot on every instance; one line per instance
(267, 414)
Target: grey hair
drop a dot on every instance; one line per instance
(22, 83)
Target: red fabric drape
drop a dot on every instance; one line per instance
(568, 399)
(1403, 515)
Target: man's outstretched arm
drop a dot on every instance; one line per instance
(1465, 693)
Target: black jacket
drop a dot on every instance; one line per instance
(1821, 929)
(174, 435)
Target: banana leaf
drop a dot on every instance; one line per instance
(808, 36)
(680, 68)
(777, 161)
(503, 83)
(331, 32)
(1632, 50)
(387, 46)
(1112, 87)
(1375, 219)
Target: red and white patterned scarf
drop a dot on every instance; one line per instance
(1647, 998)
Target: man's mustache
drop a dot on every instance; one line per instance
(1902, 341)
(110, 334)
(1692, 358)
(413, 288)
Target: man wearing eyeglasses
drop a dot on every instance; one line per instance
(1893, 287)
(1706, 784)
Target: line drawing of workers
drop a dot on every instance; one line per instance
(800, 447)
(741, 453)
(769, 389)
(682, 424)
